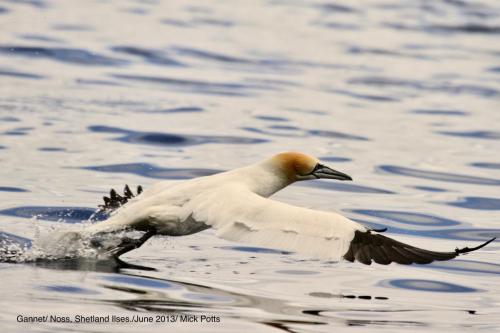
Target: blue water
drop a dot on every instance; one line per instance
(402, 96)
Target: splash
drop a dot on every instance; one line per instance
(62, 242)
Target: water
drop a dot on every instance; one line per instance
(403, 96)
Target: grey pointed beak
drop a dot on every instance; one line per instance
(323, 172)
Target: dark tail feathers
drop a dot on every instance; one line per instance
(116, 200)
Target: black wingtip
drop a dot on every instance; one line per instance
(467, 249)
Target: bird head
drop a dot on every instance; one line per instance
(298, 166)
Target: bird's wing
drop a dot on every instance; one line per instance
(366, 247)
(240, 215)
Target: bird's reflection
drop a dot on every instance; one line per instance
(107, 265)
(141, 288)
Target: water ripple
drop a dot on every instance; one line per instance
(14, 133)
(293, 131)
(51, 149)
(141, 281)
(154, 138)
(407, 217)
(469, 28)
(370, 97)
(463, 234)
(296, 272)
(266, 63)
(466, 28)
(75, 56)
(439, 176)
(426, 285)
(97, 82)
(253, 249)
(272, 118)
(334, 159)
(12, 189)
(468, 266)
(70, 289)
(486, 165)
(39, 4)
(385, 52)
(380, 81)
(196, 86)
(151, 171)
(10, 119)
(335, 8)
(151, 56)
(182, 109)
(336, 135)
(213, 22)
(214, 56)
(344, 187)
(55, 214)
(429, 189)
(480, 203)
(72, 27)
(440, 112)
(41, 38)
(490, 135)
(8, 238)
(21, 75)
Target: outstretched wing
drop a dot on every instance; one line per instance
(240, 215)
(366, 247)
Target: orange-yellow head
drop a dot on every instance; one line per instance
(299, 166)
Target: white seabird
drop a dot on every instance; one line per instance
(235, 203)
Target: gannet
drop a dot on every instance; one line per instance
(236, 204)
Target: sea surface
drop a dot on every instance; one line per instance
(404, 96)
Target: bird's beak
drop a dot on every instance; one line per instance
(323, 172)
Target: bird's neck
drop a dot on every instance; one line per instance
(264, 179)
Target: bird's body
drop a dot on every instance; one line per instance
(235, 203)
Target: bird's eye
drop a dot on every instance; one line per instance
(316, 168)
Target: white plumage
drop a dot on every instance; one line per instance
(235, 203)
(243, 216)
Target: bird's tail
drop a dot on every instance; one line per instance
(115, 200)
